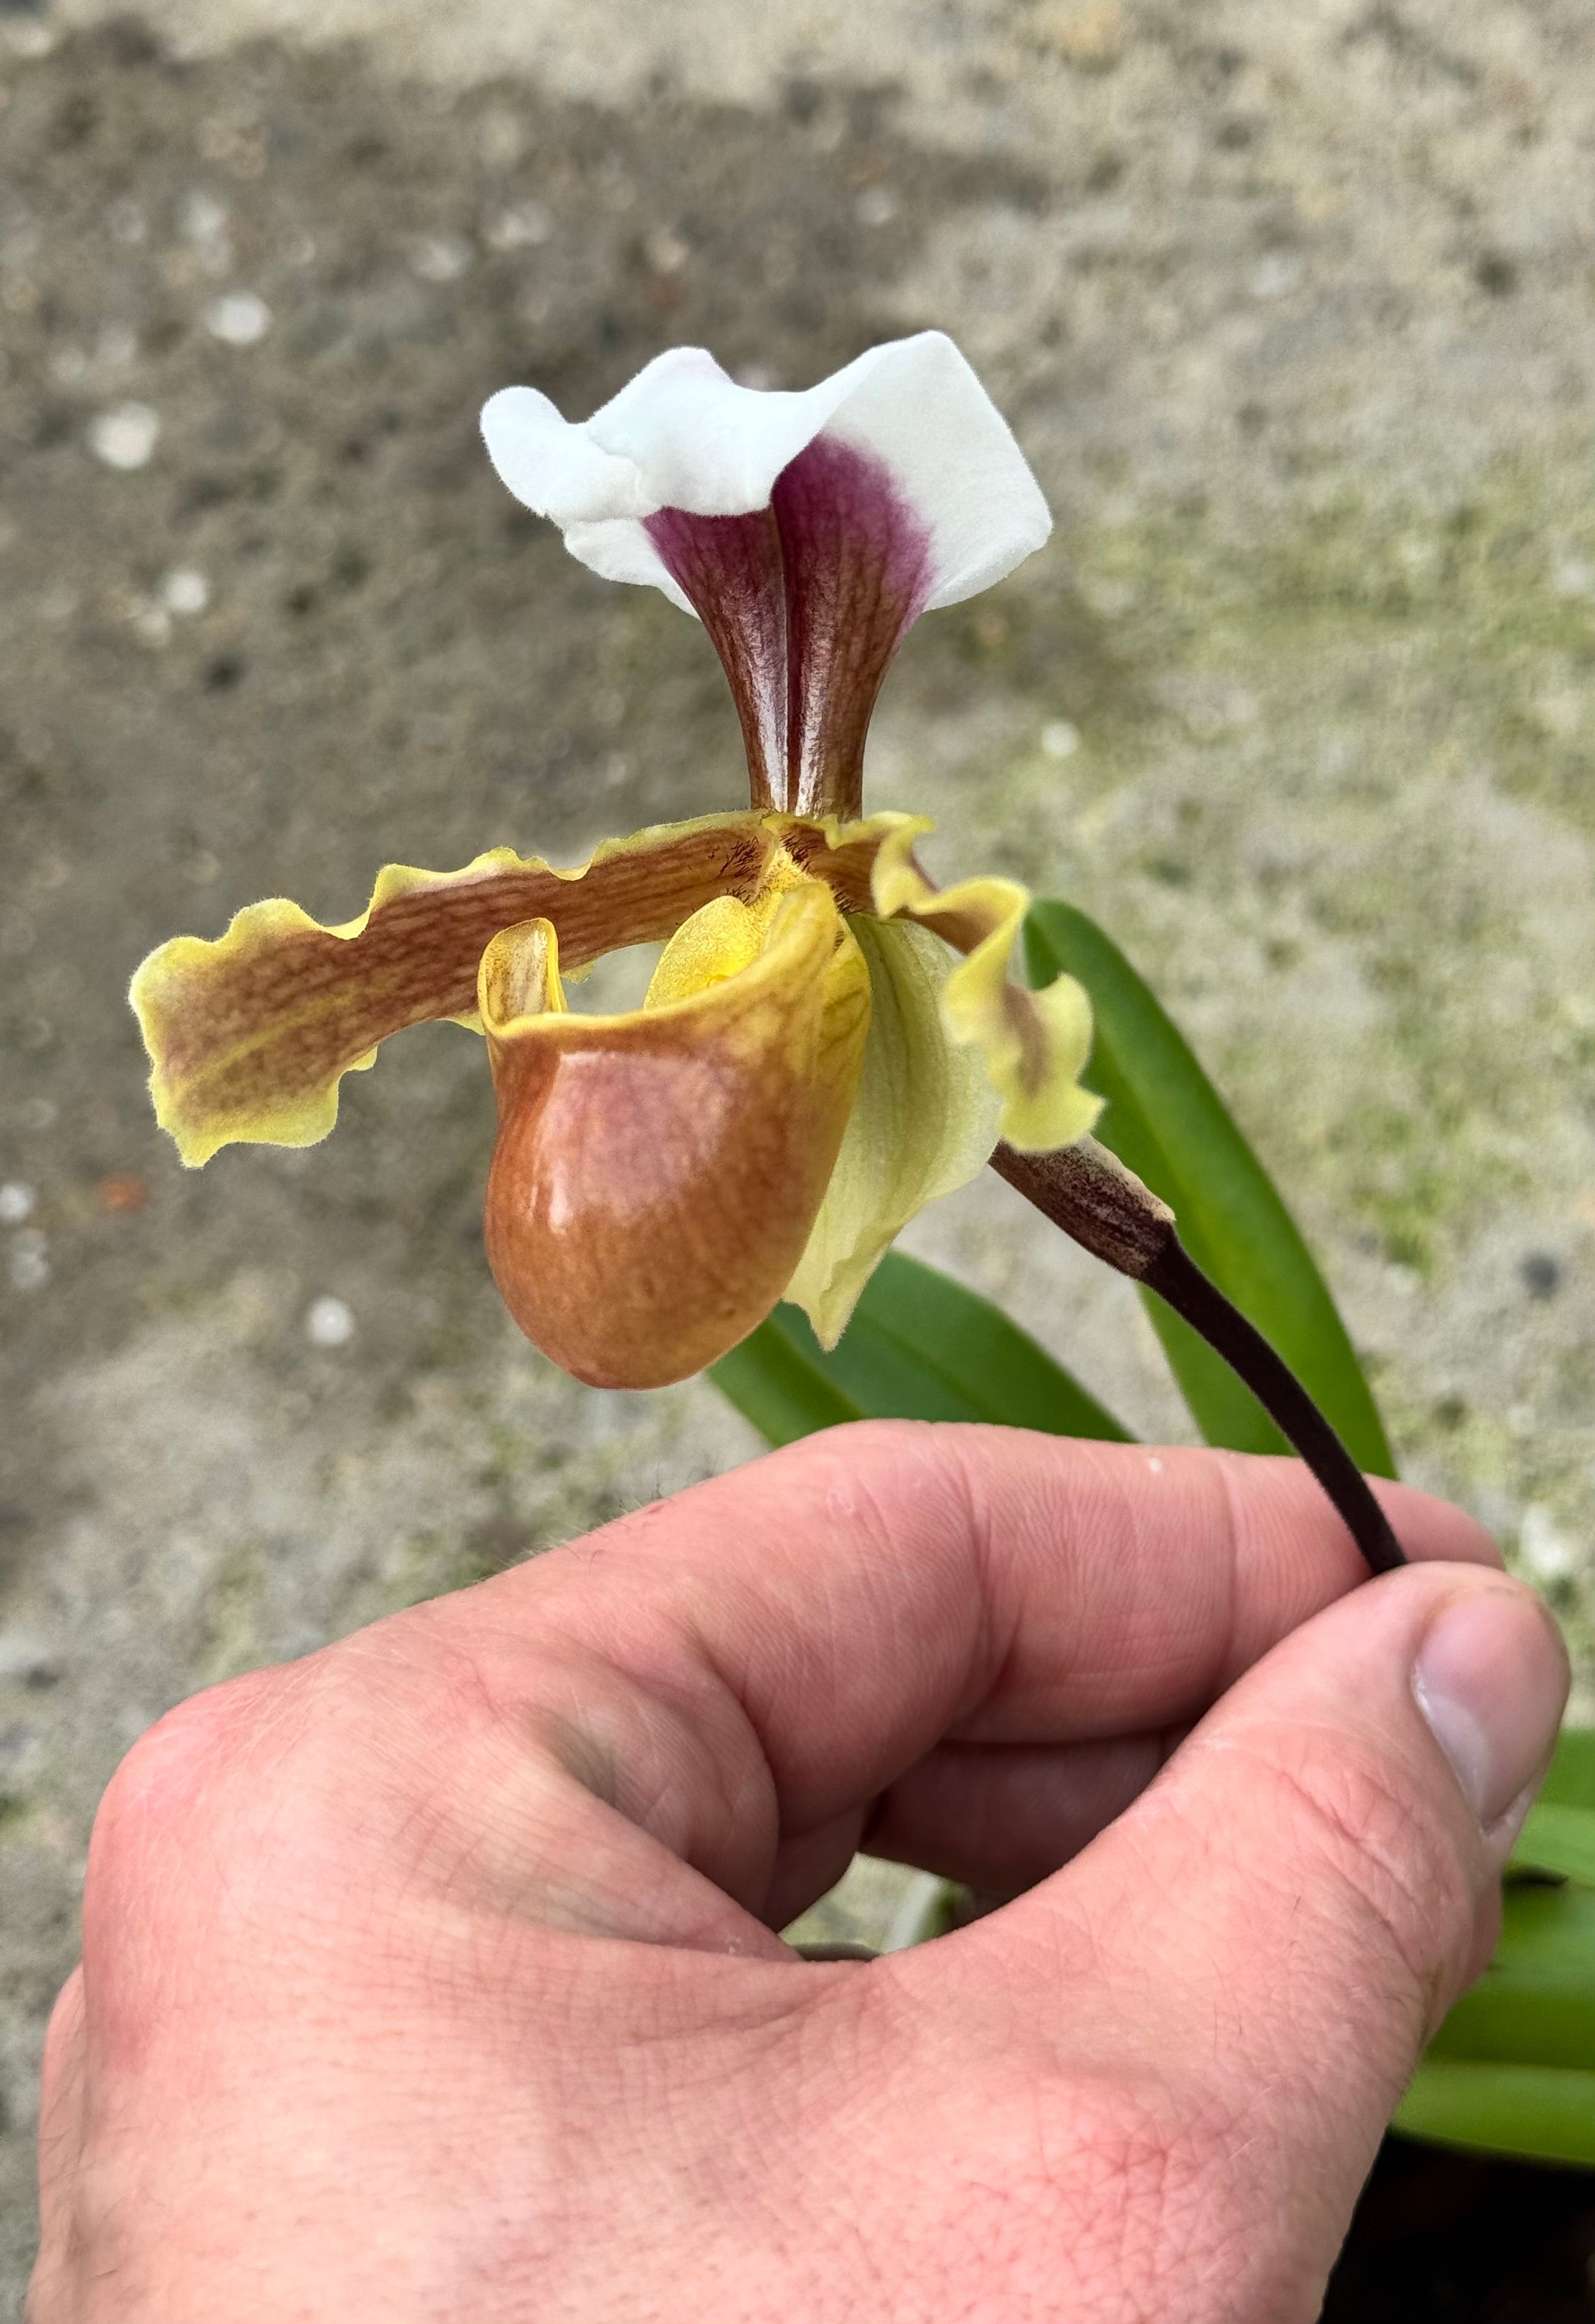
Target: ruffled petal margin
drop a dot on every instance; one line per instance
(682, 435)
(1035, 1044)
(657, 1173)
(250, 1035)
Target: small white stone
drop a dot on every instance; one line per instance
(1110, 598)
(1543, 1547)
(29, 1265)
(876, 207)
(185, 590)
(665, 250)
(441, 257)
(519, 227)
(18, 1202)
(29, 40)
(203, 218)
(1560, 710)
(1274, 274)
(238, 319)
(1574, 576)
(126, 436)
(330, 1323)
(1060, 738)
(27, 1657)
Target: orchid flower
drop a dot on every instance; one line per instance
(829, 1042)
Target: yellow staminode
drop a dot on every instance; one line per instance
(923, 1121)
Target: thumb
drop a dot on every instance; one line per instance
(1276, 1927)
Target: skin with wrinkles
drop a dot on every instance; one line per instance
(434, 1978)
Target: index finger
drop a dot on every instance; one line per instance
(767, 1652)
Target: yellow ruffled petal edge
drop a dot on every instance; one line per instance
(1035, 1044)
(249, 1035)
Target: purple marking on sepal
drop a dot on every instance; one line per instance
(806, 602)
(857, 573)
(729, 569)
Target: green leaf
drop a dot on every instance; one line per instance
(1167, 1122)
(1570, 1782)
(772, 1384)
(1546, 2113)
(920, 1347)
(1558, 1840)
(1535, 2005)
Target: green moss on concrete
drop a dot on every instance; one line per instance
(1334, 790)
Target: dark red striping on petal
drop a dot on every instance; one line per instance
(857, 561)
(805, 602)
(292, 1008)
(729, 569)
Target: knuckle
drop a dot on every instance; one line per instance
(167, 1792)
(1391, 1866)
(187, 1742)
(165, 1766)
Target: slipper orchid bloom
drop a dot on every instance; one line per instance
(829, 1042)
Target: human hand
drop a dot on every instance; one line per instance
(434, 1979)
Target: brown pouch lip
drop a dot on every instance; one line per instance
(657, 1173)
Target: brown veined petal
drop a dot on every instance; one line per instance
(657, 1174)
(806, 602)
(250, 1035)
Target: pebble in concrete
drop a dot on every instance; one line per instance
(185, 591)
(28, 1260)
(126, 435)
(330, 1323)
(238, 319)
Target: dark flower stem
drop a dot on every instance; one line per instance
(1087, 1192)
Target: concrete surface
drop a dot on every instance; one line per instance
(1292, 308)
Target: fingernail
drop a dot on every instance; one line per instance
(1491, 1679)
